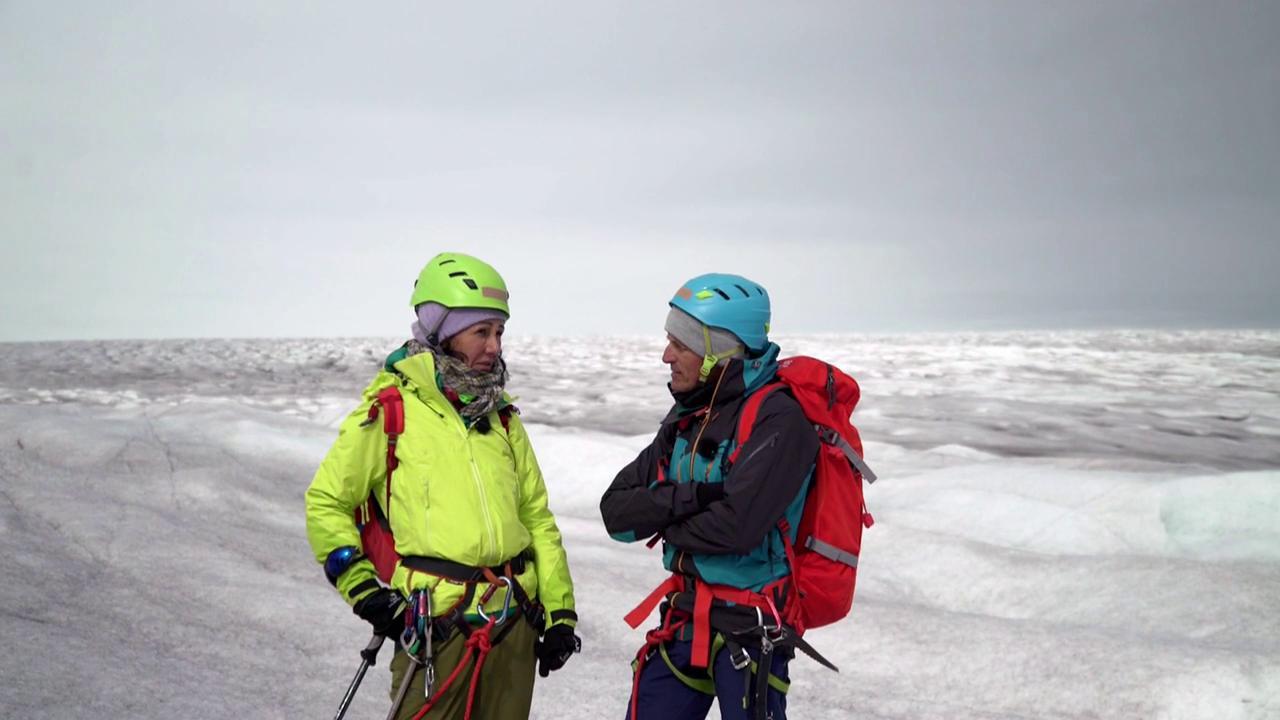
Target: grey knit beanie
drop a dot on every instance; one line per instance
(688, 330)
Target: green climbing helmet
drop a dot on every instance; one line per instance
(457, 281)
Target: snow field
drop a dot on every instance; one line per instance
(1067, 526)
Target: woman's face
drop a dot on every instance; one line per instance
(479, 345)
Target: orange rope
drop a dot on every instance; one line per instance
(693, 454)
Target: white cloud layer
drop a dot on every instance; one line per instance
(178, 170)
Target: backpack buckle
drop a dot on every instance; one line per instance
(826, 434)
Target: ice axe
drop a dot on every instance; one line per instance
(368, 658)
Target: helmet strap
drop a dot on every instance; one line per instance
(433, 338)
(710, 359)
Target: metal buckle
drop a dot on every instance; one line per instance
(739, 658)
(766, 645)
(826, 434)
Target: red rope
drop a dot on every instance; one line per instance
(482, 644)
(652, 639)
(478, 646)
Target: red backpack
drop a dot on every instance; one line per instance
(824, 558)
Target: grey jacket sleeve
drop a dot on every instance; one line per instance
(636, 506)
(769, 472)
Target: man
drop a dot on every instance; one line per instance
(717, 508)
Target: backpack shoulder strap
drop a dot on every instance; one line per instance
(747, 418)
(391, 404)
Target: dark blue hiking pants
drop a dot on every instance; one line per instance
(665, 696)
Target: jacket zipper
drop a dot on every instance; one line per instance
(484, 498)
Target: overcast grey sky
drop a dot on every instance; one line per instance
(176, 169)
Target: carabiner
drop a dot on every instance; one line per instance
(409, 641)
(417, 619)
(506, 604)
(779, 628)
(422, 610)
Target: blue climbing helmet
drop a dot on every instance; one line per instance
(729, 302)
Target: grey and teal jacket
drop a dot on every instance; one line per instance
(732, 539)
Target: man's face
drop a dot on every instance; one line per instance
(685, 365)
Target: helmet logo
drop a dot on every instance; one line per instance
(684, 293)
(495, 293)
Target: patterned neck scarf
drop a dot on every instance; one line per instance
(479, 391)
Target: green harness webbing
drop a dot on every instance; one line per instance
(707, 685)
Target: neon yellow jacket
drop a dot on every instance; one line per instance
(458, 494)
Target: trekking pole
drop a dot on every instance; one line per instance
(368, 658)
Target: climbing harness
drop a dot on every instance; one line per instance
(424, 630)
(738, 618)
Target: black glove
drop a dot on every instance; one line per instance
(382, 609)
(555, 648)
(708, 492)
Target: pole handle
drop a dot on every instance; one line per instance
(368, 656)
(370, 652)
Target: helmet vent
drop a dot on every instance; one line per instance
(458, 274)
(743, 290)
(471, 283)
(723, 294)
(446, 262)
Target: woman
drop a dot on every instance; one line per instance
(481, 571)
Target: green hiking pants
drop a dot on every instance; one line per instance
(505, 690)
